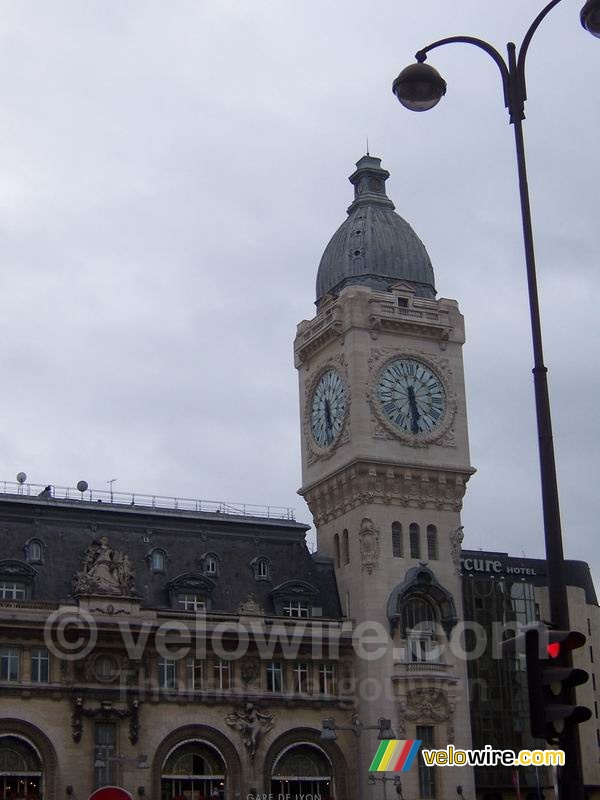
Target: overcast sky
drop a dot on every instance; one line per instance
(170, 174)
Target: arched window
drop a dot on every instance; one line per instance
(20, 768)
(418, 627)
(396, 540)
(158, 561)
(261, 567)
(193, 769)
(345, 547)
(302, 770)
(432, 543)
(417, 613)
(35, 551)
(415, 540)
(336, 549)
(211, 565)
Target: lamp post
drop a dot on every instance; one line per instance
(420, 87)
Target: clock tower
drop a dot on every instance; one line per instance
(385, 462)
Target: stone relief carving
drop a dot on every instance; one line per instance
(456, 538)
(250, 607)
(104, 571)
(251, 671)
(399, 486)
(427, 705)
(369, 544)
(250, 724)
(105, 711)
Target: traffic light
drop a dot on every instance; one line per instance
(550, 683)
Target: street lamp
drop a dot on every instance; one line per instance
(419, 87)
(330, 726)
(396, 780)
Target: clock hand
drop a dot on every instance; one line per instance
(328, 421)
(414, 411)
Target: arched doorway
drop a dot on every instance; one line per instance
(193, 770)
(21, 774)
(302, 769)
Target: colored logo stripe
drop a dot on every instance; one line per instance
(395, 755)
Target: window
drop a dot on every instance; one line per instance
(523, 602)
(274, 677)
(167, 673)
(12, 590)
(262, 569)
(426, 733)
(418, 619)
(327, 679)
(345, 547)
(191, 602)
(261, 566)
(301, 677)
(336, 549)
(105, 757)
(35, 551)
(593, 681)
(211, 565)
(105, 668)
(9, 663)
(295, 608)
(222, 674)
(158, 561)
(432, 543)
(396, 540)
(195, 674)
(40, 665)
(415, 544)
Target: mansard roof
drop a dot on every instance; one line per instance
(69, 528)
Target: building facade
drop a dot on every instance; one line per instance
(501, 592)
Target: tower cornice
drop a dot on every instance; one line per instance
(369, 481)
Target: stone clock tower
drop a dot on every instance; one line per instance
(385, 461)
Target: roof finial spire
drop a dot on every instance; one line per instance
(368, 145)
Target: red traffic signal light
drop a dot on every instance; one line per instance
(551, 701)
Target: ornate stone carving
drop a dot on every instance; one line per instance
(250, 607)
(106, 711)
(443, 434)
(456, 538)
(427, 705)
(369, 544)
(364, 482)
(251, 671)
(104, 571)
(250, 724)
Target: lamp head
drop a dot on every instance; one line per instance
(385, 729)
(590, 17)
(372, 779)
(420, 87)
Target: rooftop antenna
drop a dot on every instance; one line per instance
(82, 486)
(110, 483)
(368, 146)
(21, 478)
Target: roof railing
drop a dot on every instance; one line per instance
(145, 501)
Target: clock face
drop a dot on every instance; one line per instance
(412, 396)
(328, 408)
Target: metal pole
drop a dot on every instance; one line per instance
(570, 779)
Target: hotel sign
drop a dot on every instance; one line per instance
(494, 566)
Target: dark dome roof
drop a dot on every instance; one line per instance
(374, 247)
